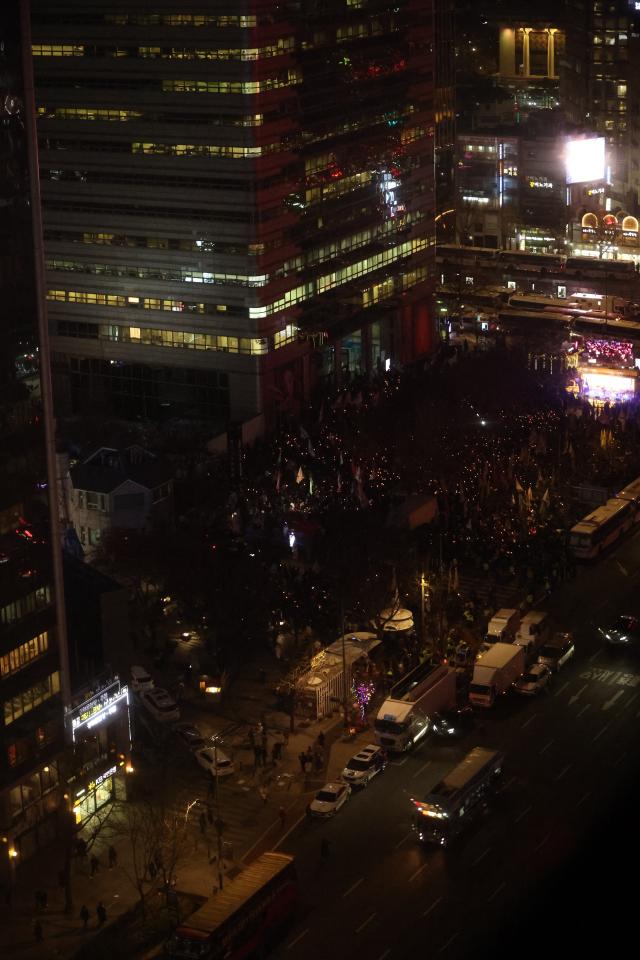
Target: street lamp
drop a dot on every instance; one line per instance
(424, 602)
(218, 823)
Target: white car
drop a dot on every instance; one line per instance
(160, 705)
(364, 765)
(534, 680)
(328, 801)
(215, 761)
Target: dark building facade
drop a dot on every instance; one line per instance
(237, 198)
(32, 644)
(600, 82)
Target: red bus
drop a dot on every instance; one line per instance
(245, 919)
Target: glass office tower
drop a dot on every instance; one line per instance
(237, 198)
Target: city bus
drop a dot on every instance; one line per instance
(538, 318)
(531, 262)
(599, 529)
(458, 797)
(531, 301)
(467, 256)
(245, 918)
(631, 493)
(595, 268)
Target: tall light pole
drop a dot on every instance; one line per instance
(218, 824)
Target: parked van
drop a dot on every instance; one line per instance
(140, 679)
(534, 631)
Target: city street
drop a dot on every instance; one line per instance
(517, 874)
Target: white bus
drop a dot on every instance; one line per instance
(458, 797)
(631, 493)
(599, 529)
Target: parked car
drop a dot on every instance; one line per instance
(328, 801)
(623, 632)
(140, 679)
(555, 654)
(189, 736)
(215, 761)
(534, 680)
(363, 767)
(160, 705)
(453, 723)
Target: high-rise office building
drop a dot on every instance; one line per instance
(600, 82)
(237, 198)
(32, 646)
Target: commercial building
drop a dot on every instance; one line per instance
(600, 83)
(237, 200)
(33, 673)
(510, 187)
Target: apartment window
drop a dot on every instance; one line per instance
(29, 699)
(96, 501)
(21, 656)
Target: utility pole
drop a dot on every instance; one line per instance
(218, 824)
(345, 702)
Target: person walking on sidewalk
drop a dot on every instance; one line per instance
(203, 822)
(84, 915)
(94, 865)
(37, 930)
(101, 913)
(282, 813)
(264, 795)
(113, 857)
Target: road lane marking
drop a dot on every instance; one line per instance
(432, 907)
(404, 839)
(526, 724)
(620, 758)
(383, 956)
(632, 700)
(508, 784)
(546, 747)
(578, 694)
(418, 872)
(523, 814)
(399, 763)
(610, 702)
(562, 772)
(593, 656)
(586, 707)
(481, 857)
(583, 798)
(542, 843)
(449, 942)
(560, 689)
(598, 735)
(354, 886)
(365, 924)
(298, 938)
(497, 890)
(422, 769)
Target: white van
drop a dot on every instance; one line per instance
(533, 632)
(140, 679)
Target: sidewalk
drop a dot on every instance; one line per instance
(251, 826)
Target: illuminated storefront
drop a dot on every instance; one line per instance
(101, 736)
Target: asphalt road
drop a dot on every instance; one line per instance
(546, 869)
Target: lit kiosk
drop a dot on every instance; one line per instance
(100, 747)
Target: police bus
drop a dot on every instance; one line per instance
(458, 797)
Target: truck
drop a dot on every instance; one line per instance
(404, 717)
(533, 632)
(502, 626)
(495, 671)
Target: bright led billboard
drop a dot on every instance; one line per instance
(585, 160)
